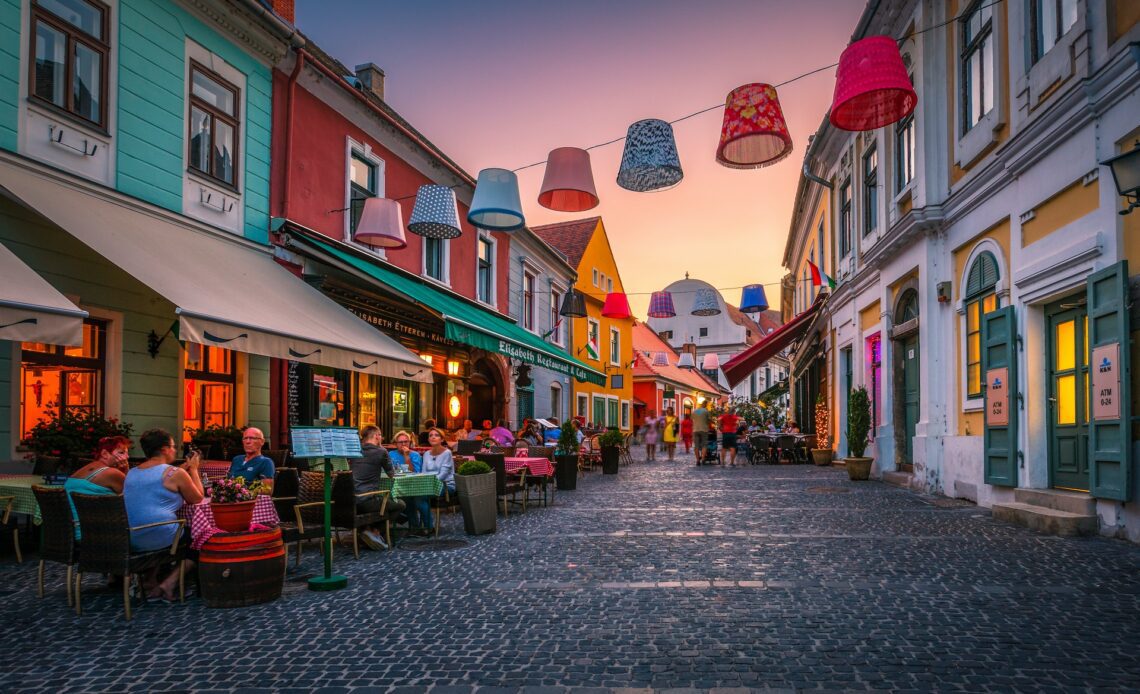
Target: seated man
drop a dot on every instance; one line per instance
(366, 471)
(251, 465)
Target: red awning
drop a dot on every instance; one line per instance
(738, 368)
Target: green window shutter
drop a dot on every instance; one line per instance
(983, 275)
(999, 351)
(1110, 439)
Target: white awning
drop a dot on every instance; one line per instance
(227, 292)
(31, 310)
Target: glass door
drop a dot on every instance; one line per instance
(1068, 397)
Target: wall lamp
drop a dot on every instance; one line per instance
(1126, 173)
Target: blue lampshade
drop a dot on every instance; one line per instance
(496, 205)
(435, 215)
(705, 303)
(753, 299)
(650, 160)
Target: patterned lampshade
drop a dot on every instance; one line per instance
(650, 160)
(660, 359)
(705, 303)
(568, 185)
(753, 299)
(616, 306)
(496, 205)
(661, 305)
(435, 214)
(381, 224)
(711, 362)
(686, 361)
(872, 88)
(574, 305)
(754, 133)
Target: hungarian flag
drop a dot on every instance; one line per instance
(590, 350)
(818, 277)
(553, 329)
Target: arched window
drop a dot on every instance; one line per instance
(980, 298)
(908, 307)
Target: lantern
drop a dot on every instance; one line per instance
(685, 361)
(705, 303)
(452, 368)
(435, 214)
(496, 205)
(453, 406)
(428, 358)
(574, 305)
(381, 224)
(649, 161)
(661, 305)
(753, 299)
(660, 359)
(754, 133)
(872, 88)
(711, 362)
(616, 306)
(568, 185)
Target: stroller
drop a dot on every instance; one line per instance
(710, 455)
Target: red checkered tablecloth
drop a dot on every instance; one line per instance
(541, 467)
(200, 518)
(215, 469)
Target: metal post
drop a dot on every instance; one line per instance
(328, 581)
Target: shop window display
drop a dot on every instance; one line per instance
(70, 378)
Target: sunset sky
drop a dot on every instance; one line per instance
(502, 82)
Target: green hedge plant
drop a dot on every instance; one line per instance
(473, 467)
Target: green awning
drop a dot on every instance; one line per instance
(465, 322)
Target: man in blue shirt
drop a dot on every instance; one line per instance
(251, 465)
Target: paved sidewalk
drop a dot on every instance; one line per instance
(666, 576)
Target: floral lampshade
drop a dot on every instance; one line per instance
(496, 204)
(574, 305)
(435, 215)
(754, 133)
(568, 185)
(872, 88)
(753, 299)
(686, 361)
(650, 160)
(661, 305)
(660, 359)
(381, 224)
(616, 306)
(705, 303)
(711, 362)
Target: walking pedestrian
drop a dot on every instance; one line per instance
(700, 419)
(728, 424)
(687, 432)
(649, 434)
(670, 433)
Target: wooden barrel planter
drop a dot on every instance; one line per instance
(240, 569)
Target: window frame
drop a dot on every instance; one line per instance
(870, 190)
(206, 376)
(557, 334)
(556, 400)
(594, 336)
(234, 122)
(906, 141)
(976, 300)
(615, 346)
(1036, 35)
(595, 277)
(444, 258)
(527, 303)
(73, 35)
(582, 405)
(58, 357)
(624, 415)
(481, 240)
(846, 242)
(975, 45)
(357, 192)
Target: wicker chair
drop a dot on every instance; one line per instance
(346, 517)
(786, 443)
(57, 534)
(107, 539)
(304, 518)
(505, 485)
(6, 520)
(279, 456)
(286, 480)
(623, 450)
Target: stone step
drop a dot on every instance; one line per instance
(898, 479)
(1059, 499)
(1047, 520)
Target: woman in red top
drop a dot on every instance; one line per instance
(728, 423)
(687, 432)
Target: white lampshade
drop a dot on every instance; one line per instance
(685, 361)
(496, 205)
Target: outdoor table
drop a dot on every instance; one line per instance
(540, 467)
(20, 486)
(215, 469)
(200, 518)
(417, 484)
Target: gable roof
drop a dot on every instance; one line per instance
(571, 238)
(755, 329)
(646, 343)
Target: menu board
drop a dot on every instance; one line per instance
(325, 442)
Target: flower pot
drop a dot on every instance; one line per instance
(610, 457)
(566, 471)
(858, 468)
(821, 456)
(477, 502)
(234, 517)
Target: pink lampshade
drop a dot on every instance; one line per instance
(381, 224)
(616, 306)
(568, 185)
(754, 133)
(872, 88)
(711, 362)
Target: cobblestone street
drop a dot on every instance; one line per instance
(666, 576)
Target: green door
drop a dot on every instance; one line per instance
(599, 411)
(1068, 373)
(910, 355)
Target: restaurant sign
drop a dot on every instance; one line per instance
(493, 343)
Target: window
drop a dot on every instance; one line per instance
(977, 65)
(435, 259)
(556, 401)
(845, 219)
(666, 334)
(767, 377)
(362, 185)
(210, 383)
(609, 284)
(582, 407)
(1051, 20)
(63, 379)
(595, 277)
(870, 190)
(980, 298)
(612, 412)
(485, 271)
(704, 332)
(528, 301)
(593, 338)
(213, 126)
(615, 346)
(624, 414)
(752, 393)
(819, 246)
(847, 361)
(599, 410)
(904, 152)
(69, 45)
(555, 318)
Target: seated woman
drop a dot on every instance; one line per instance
(104, 475)
(437, 461)
(403, 458)
(153, 493)
(429, 424)
(502, 435)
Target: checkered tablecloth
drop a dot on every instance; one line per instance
(20, 486)
(541, 467)
(215, 469)
(403, 486)
(200, 518)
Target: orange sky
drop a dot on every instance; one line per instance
(502, 82)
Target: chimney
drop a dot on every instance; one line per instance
(284, 9)
(691, 348)
(371, 78)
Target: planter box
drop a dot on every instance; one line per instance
(477, 501)
(611, 456)
(821, 456)
(566, 471)
(859, 468)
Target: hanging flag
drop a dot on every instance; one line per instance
(593, 353)
(553, 329)
(815, 279)
(830, 282)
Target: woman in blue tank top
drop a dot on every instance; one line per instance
(104, 475)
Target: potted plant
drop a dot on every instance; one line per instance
(821, 454)
(610, 443)
(858, 428)
(232, 503)
(475, 484)
(67, 438)
(217, 442)
(566, 457)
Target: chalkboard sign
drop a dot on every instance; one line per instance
(293, 393)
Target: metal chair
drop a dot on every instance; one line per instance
(346, 516)
(505, 485)
(57, 534)
(786, 445)
(6, 520)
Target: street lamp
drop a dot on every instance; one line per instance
(1126, 173)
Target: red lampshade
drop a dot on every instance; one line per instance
(872, 88)
(616, 306)
(754, 133)
(381, 224)
(568, 185)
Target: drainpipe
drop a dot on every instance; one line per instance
(291, 91)
(816, 179)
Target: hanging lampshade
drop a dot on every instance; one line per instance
(574, 305)
(381, 224)
(496, 205)
(754, 133)
(616, 306)
(660, 359)
(568, 185)
(753, 299)
(705, 303)
(872, 88)
(435, 214)
(649, 161)
(711, 362)
(661, 305)
(686, 361)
